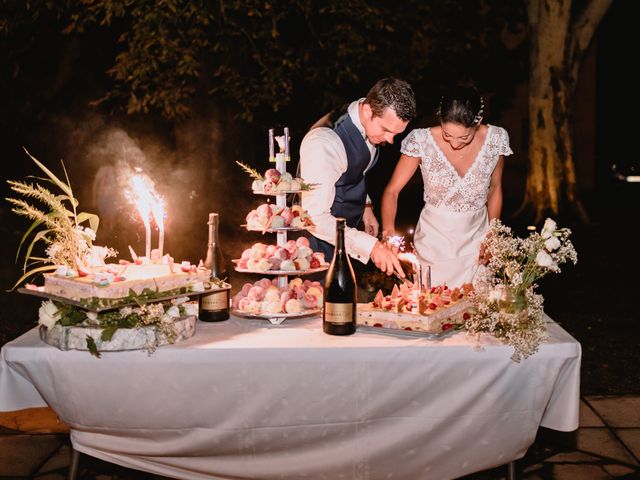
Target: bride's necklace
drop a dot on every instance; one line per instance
(461, 153)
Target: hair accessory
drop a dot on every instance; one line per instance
(439, 110)
(478, 117)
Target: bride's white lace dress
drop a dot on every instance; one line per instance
(454, 219)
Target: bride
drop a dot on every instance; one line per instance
(461, 162)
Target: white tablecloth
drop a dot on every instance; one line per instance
(245, 399)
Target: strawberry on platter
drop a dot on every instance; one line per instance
(295, 257)
(273, 182)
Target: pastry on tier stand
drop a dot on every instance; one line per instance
(273, 182)
(272, 218)
(295, 258)
(265, 299)
(286, 257)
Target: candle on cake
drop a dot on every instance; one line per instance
(158, 216)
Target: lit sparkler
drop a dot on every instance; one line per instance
(144, 196)
(396, 241)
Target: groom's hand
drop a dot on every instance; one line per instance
(386, 260)
(371, 225)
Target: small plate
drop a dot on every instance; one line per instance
(281, 192)
(272, 230)
(321, 268)
(277, 318)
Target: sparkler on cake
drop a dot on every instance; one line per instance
(149, 203)
(421, 273)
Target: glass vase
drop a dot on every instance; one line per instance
(512, 301)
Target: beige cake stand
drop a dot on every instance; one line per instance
(142, 338)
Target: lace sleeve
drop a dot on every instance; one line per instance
(412, 145)
(502, 141)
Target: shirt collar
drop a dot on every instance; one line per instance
(354, 114)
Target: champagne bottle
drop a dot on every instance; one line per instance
(340, 294)
(214, 307)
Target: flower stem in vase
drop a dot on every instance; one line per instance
(512, 301)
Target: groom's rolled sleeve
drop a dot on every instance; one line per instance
(323, 160)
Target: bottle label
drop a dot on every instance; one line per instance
(339, 313)
(215, 301)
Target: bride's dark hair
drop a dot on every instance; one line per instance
(461, 104)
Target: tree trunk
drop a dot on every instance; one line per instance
(557, 49)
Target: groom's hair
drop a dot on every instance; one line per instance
(395, 94)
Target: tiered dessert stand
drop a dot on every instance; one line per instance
(280, 160)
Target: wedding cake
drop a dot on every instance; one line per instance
(433, 311)
(114, 281)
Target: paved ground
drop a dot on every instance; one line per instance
(606, 446)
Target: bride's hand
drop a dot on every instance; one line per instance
(387, 236)
(371, 225)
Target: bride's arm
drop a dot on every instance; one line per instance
(494, 199)
(405, 169)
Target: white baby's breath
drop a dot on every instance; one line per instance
(505, 302)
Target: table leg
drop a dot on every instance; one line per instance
(75, 461)
(511, 471)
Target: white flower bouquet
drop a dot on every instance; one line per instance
(505, 301)
(56, 223)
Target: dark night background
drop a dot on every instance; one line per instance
(193, 165)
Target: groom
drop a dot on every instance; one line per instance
(337, 153)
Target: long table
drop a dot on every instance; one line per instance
(244, 399)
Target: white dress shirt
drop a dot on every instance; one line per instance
(323, 160)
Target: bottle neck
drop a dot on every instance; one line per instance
(340, 247)
(213, 230)
(340, 242)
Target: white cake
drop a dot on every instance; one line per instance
(117, 281)
(434, 311)
(436, 322)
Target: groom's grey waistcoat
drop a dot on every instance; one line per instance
(351, 190)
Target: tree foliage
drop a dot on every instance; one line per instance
(286, 57)
(295, 59)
